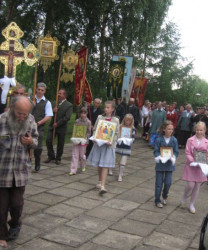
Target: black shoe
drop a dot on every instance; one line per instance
(48, 160)
(58, 162)
(37, 168)
(13, 233)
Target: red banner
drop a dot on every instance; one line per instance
(80, 75)
(87, 92)
(139, 89)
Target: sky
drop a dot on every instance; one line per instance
(191, 17)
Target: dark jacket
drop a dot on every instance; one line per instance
(92, 116)
(63, 116)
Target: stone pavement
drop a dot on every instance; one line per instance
(66, 212)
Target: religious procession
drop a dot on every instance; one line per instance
(105, 126)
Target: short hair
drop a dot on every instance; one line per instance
(83, 110)
(42, 84)
(98, 99)
(65, 93)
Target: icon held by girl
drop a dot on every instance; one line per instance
(164, 165)
(123, 147)
(103, 156)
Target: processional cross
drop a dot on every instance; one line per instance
(11, 51)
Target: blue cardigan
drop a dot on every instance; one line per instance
(160, 142)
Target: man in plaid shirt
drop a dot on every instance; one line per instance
(18, 133)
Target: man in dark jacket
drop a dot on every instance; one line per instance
(133, 109)
(64, 112)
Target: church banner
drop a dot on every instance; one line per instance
(115, 80)
(127, 74)
(80, 74)
(87, 92)
(139, 89)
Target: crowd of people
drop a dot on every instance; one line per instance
(164, 127)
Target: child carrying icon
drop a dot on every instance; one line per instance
(193, 174)
(126, 138)
(165, 152)
(80, 143)
(103, 156)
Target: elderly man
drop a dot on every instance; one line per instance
(42, 112)
(93, 112)
(64, 112)
(18, 133)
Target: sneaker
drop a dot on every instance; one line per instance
(164, 202)
(160, 205)
(98, 186)
(192, 210)
(13, 233)
(119, 178)
(83, 169)
(71, 173)
(58, 162)
(110, 172)
(103, 190)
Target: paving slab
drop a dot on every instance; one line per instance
(42, 244)
(88, 223)
(121, 204)
(118, 240)
(82, 202)
(147, 216)
(133, 227)
(68, 236)
(166, 241)
(43, 221)
(64, 211)
(106, 213)
(46, 198)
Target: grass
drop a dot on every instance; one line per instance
(69, 130)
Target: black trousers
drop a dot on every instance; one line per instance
(60, 145)
(11, 199)
(183, 137)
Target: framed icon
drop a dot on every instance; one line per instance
(166, 152)
(79, 131)
(105, 131)
(125, 132)
(200, 156)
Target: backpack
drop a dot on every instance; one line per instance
(203, 241)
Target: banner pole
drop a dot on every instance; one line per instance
(57, 90)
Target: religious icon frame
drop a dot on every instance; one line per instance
(166, 152)
(103, 127)
(79, 131)
(200, 156)
(47, 46)
(125, 132)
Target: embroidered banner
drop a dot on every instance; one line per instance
(87, 92)
(115, 80)
(80, 74)
(127, 74)
(139, 89)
